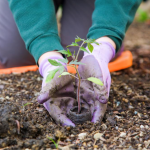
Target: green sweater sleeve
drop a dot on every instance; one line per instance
(112, 18)
(37, 25)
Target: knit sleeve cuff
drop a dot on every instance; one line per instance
(43, 44)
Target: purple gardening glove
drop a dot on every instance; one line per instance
(96, 65)
(57, 95)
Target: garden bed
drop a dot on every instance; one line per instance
(26, 124)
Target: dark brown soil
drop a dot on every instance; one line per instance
(79, 118)
(126, 124)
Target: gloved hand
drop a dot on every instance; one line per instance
(57, 95)
(96, 65)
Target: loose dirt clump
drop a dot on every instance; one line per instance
(25, 124)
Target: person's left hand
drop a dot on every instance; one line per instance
(90, 93)
(94, 96)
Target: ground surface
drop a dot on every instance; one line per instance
(126, 124)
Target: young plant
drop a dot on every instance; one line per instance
(56, 144)
(26, 104)
(142, 15)
(74, 63)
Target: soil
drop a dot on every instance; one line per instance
(79, 118)
(25, 124)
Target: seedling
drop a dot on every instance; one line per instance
(27, 104)
(56, 144)
(74, 63)
(142, 15)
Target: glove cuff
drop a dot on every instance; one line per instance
(111, 47)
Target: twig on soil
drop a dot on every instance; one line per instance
(18, 126)
(95, 132)
(66, 147)
(4, 82)
(142, 98)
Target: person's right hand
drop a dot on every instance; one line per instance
(57, 96)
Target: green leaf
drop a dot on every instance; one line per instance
(54, 62)
(63, 60)
(27, 104)
(63, 52)
(77, 39)
(64, 73)
(66, 52)
(96, 43)
(83, 49)
(95, 80)
(76, 63)
(89, 41)
(90, 47)
(69, 53)
(73, 44)
(51, 75)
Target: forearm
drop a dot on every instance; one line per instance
(37, 25)
(112, 19)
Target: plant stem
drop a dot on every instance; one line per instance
(73, 75)
(79, 50)
(78, 91)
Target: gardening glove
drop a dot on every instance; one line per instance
(57, 95)
(96, 65)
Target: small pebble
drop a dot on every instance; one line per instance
(116, 127)
(131, 107)
(39, 79)
(147, 143)
(147, 127)
(68, 128)
(68, 140)
(82, 136)
(135, 112)
(89, 144)
(122, 134)
(118, 103)
(139, 115)
(22, 79)
(58, 134)
(141, 134)
(1, 86)
(82, 148)
(125, 100)
(141, 140)
(142, 127)
(84, 144)
(104, 127)
(72, 135)
(95, 146)
(97, 136)
(7, 97)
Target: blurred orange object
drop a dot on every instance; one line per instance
(19, 69)
(122, 62)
